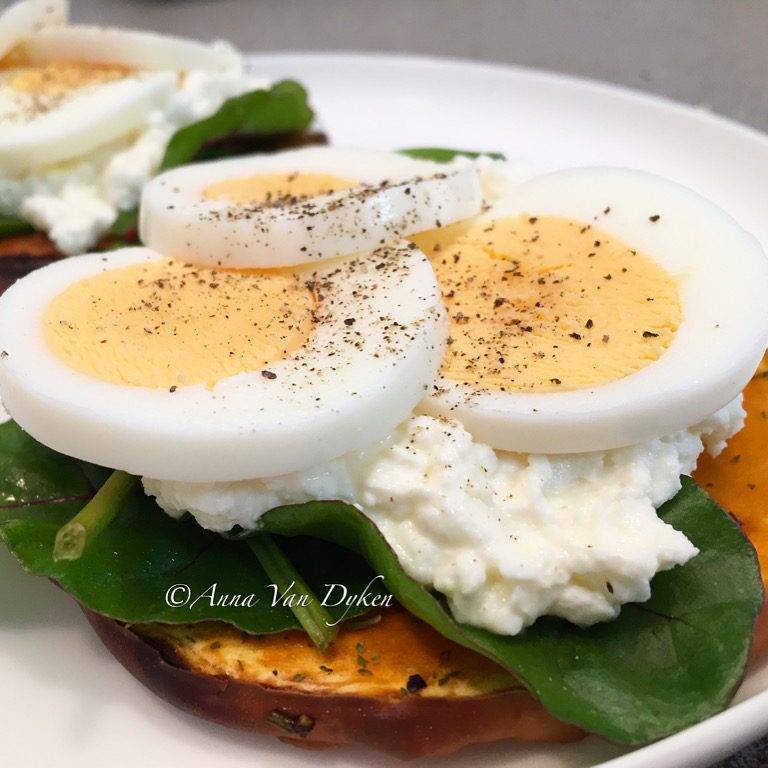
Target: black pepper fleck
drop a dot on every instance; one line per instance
(415, 684)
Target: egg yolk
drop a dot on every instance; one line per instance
(544, 304)
(276, 188)
(166, 324)
(61, 78)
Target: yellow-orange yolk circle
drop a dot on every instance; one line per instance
(166, 324)
(544, 304)
(276, 188)
(58, 79)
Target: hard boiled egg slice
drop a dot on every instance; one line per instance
(154, 366)
(67, 89)
(27, 17)
(59, 112)
(596, 308)
(301, 206)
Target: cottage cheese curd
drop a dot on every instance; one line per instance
(506, 537)
(75, 202)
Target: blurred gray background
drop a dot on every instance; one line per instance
(706, 52)
(711, 53)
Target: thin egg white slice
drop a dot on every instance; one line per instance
(37, 132)
(21, 20)
(127, 47)
(375, 342)
(301, 206)
(718, 272)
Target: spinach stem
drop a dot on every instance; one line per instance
(307, 609)
(94, 517)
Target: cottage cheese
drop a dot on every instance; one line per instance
(506, 537)
(76, 202)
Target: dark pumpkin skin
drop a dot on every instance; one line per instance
(22, 254)
(403, 726)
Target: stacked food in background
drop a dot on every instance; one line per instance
(89, 114)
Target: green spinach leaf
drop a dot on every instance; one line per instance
(281, 109)
(124, 230)
(10, 226)
(443, 155)
(127, 571)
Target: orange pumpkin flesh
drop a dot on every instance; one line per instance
(738, 481)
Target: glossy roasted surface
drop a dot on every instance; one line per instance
(377, 660)
(200, 673)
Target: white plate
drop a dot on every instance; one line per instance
(66, 703)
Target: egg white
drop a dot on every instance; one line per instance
(722, 276)
(419, 195)
(88, 119)
(317, 406)
(95, 115)
(21, 20)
